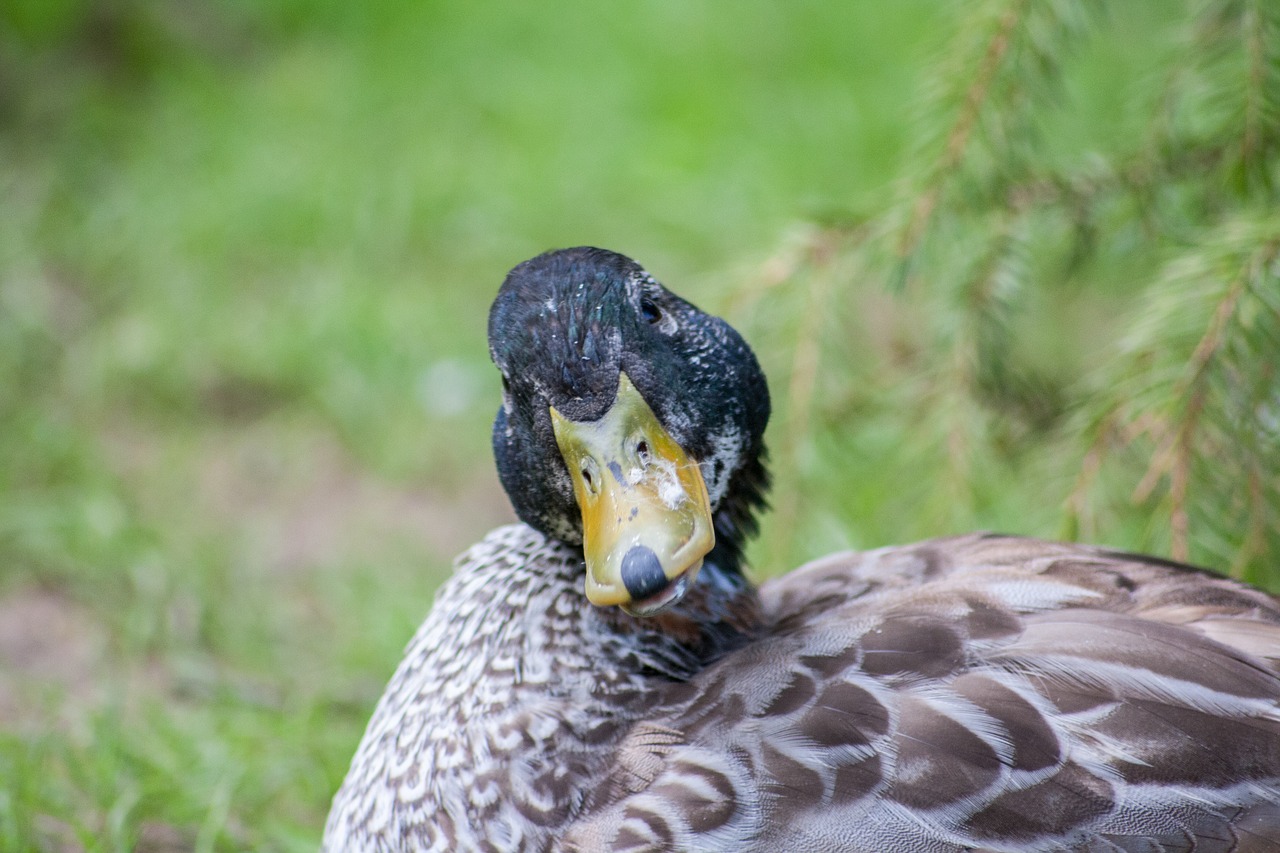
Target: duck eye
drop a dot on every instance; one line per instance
(650, 311)
(506, 385)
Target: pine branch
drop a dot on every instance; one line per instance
(961, 130)
(1181, 437)
(1194, 396)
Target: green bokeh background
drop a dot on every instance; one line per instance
(246, 254)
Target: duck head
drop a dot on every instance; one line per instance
(631, 424)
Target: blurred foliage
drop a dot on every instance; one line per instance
(1086, 318)
(1009, 264)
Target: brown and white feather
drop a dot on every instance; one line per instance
(975, 693)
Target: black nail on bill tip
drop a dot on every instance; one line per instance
(642, 572)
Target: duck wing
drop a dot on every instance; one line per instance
(976, 693)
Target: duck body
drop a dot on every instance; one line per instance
(978, 693)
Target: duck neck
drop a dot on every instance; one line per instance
(735, 519)
(720, 612)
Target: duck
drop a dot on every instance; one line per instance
(603, 676)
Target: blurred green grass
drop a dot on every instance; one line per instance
(246, 254)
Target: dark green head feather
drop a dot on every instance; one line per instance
(564, 326)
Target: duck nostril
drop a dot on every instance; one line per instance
(642, 451)
(588, 479)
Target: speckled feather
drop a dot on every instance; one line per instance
(980, 693)
(511, 700)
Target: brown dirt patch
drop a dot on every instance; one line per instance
(49, 644)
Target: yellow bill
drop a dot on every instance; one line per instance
(646, 518)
